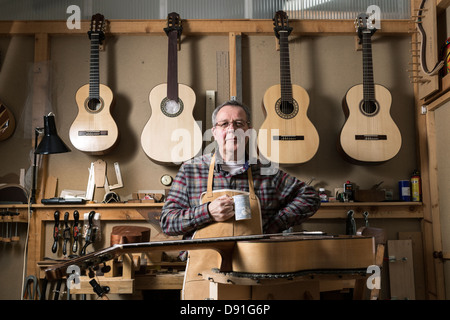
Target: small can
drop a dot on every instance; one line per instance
(348, 191)
(323, 196)
(416, 193)
(404, 190)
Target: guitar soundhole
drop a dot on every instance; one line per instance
(286, 109)
(94, 104)
(369, 108)
(172, 108)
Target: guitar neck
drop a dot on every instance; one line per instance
(94, 74)
(285, 68)
(368, 83)
(172, 68)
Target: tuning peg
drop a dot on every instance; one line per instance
(105, 268)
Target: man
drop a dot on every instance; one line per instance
(284, 200)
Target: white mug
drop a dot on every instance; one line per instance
(242, 209)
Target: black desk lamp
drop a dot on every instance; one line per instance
(50, 143)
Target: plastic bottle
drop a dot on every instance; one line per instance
(323, 196)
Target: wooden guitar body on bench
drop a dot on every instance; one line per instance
(270, 253)
(129, 234)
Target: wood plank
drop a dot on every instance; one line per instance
(379, 260)
(172, 281)
(380, 210)
(35, 244)
(434, 202)
(219, 291)
(331, 210)
(431, 265)
(401, 269)
(440, 101)
(40, 100)
(419, 272)
(430, 275)
(200, 26)
(232, 40)
(116, 285)
(306, 290)
(441, 5)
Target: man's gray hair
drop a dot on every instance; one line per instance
(233, 103)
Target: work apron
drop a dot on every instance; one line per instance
(194, 286)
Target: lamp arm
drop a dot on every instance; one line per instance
(33, 188)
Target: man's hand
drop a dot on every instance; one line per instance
(222, 208)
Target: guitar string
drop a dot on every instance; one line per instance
(368, 83)
(286, 86)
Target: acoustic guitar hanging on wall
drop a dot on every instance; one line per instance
(94, 130)
(171, 135)
(369, 134)
(285, 106)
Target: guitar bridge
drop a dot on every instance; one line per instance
(288, 138)
(93, 133)
(370, 137)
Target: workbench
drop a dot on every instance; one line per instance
(41, 218)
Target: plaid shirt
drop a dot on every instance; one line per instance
(285, 201)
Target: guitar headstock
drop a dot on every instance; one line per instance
(363, 24)
(281, 23)
(97, 26)
(173, 23)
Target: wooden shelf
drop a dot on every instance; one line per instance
(327, 210)
(384, 210)
(200, 27)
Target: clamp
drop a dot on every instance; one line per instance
(66, 232)
(31, 288)
(350, 225)
(76, 231)
(90, 234)
(55, 232)
(101, 291)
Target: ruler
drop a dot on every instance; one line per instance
(223, 76)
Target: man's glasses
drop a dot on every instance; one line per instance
(239, 124)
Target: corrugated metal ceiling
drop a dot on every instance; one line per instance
(200, 9)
